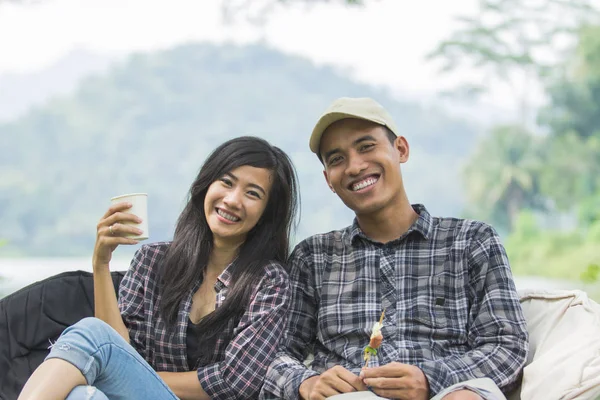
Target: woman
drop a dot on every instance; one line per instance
(206, 310)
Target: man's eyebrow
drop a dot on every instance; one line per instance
(254, 185)
(330, 153)
(363, 139)
(357, 141)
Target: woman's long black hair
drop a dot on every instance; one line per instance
(188, 254)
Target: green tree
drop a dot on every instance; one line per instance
(572, 117)
(258, 11)
(571, 177)
(502, 176)
(510, 40)
(575, 90)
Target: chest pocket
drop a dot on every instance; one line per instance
(441, 309)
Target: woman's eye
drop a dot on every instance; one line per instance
(226, 181)
(254, 194)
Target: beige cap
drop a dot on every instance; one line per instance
(351, 107)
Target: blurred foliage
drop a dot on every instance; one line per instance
(591, 274)
(530, 183)
(505, 36)
(259, 11)
(556, 253)
(502, 175)
(148, 124)
(575, 90)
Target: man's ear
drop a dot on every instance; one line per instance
(402, 147)
(327, 180)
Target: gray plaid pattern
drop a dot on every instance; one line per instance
(238, 366)
(451, 305)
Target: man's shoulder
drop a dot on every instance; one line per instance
(324, 242)
(464, 227)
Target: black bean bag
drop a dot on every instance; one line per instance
(36, 315)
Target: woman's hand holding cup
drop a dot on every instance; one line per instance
(116, 227)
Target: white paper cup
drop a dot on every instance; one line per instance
(139, 207)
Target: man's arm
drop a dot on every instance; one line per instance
(288, 371)
(240, 374)
(288, 377)
(498, 333)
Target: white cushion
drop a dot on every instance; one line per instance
(564, 350)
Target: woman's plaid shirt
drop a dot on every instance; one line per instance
(238, 367)
(451, 305)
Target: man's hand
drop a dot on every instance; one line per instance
(462, 395)
(397, 381)
(334, 381)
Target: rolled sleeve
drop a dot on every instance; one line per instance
(241, 373)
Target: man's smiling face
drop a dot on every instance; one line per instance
(362, 166)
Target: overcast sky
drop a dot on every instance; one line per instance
(383, 43)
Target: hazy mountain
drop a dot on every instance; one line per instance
(19, 92)
(147, 123)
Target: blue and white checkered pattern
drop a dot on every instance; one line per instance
(237, 367)
(451, 305)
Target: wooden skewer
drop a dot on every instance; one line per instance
(368, 355)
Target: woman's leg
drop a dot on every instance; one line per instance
(42, 383)
(103, 358)
(86, 393)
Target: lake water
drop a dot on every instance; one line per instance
(20, 272)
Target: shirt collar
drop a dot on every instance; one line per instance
(224, 279)
(423, 225)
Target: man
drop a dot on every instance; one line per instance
(453, 325)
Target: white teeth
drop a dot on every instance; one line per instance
(364, 184)
(227, 216)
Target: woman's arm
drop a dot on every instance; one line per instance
(185, 385)
(110, 234)
(105, 301)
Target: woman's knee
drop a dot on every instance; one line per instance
(92, 328)
(85, 392)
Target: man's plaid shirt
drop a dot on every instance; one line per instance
(238, 367)
(451, 305)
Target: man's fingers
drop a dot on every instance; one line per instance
(386, 383)
(335, 381)
(329, 385)
(393, 394)
(406, 387)
(351, 379)
(323, 392)
(391, 370)
(338, 386)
